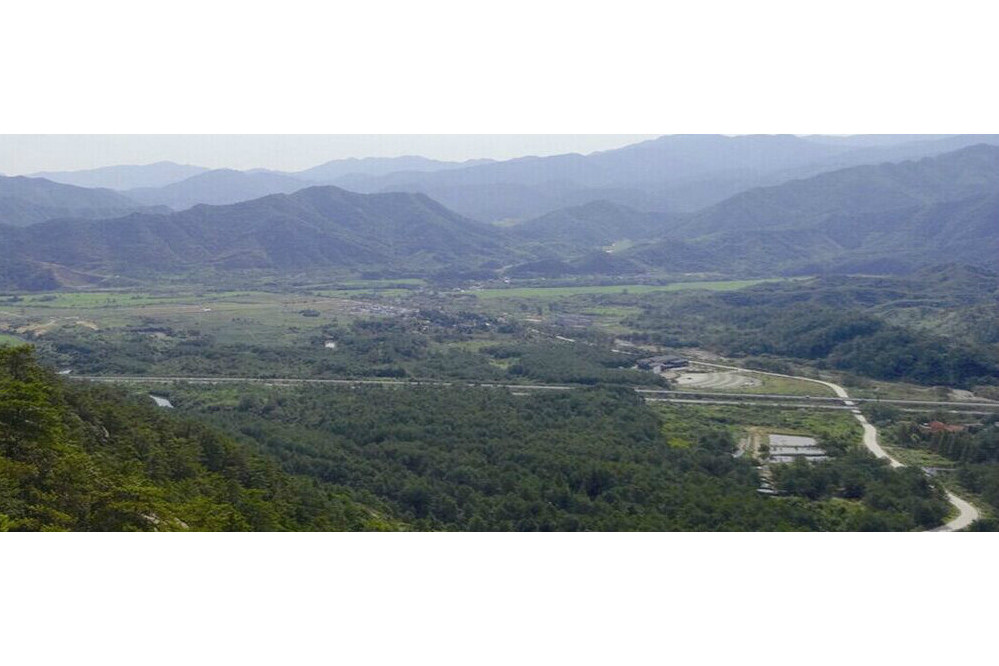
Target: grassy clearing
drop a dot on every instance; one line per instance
(870, 388)
(251, 317)
(559, 292)
(684, 422)
(918, 457)
(10, 340)
(787, 386)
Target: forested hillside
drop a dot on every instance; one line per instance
(886, 328)
(842, 194)
(85, 458)
(885, 218)
(595, 224)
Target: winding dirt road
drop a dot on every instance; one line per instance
(967, 514)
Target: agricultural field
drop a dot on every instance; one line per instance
(242, 313)
(431, 333)
(549, 293)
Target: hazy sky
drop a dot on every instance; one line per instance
(30, 153)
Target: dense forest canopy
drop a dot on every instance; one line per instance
(77, 457)
(590, 459)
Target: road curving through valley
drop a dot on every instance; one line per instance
(966, 513)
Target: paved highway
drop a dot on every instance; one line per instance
(819, 398)
(651, 394)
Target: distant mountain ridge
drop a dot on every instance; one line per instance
(315, 228)
(25, 201)
(378, 166)
(968, 172)
(674, 173)
(882, 218)
(124, 176)
(181, 186)
(891, 217)
(218, 187)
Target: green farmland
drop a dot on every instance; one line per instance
(559, 292)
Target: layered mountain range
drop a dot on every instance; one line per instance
(25, 201)
(775, 205)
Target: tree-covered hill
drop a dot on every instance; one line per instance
(936, 327)
(842, 194)
(884, 218)
(594, 224)
(318, 227)
(87, 458)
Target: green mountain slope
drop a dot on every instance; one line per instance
(864, 190)
(74, 457)
(884, 218)
(594, 224)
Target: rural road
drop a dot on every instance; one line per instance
(967, 514)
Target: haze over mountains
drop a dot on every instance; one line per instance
(147, 177)
(676, 173)
(124, 176)
(886, 217)
(217, 187)
(25, 201)
(776, 205)
(318, 227)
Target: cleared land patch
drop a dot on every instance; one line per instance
(716, 380)
(9, 340)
